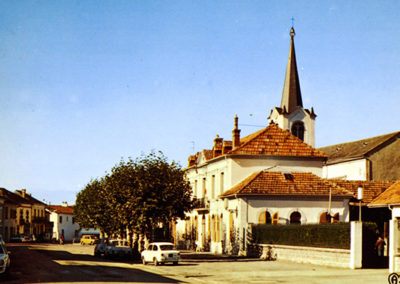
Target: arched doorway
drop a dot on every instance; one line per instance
(325, 218)
(264, 218)
(295, 218)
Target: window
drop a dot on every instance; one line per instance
(73, 220)
(325, 218)
(67, 218)
(60, 219)
(195, 188)
(218, 233)
(221, 185)
(295, 218)
(212, 186)
(195, 228)
(231, 228)
(13, 214)
(27, 215)
(5, 212)
(335, 218)
(298, 129)
(264, 218)
(209, 228)
(204, 187)
(275, 218)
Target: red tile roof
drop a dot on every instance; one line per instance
(389, 197)
(62, 209)
(271, 140)
(278, 183)
(371, 189)
(275, 141)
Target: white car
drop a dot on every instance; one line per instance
(118, 248)
(160, 253)
(4, 259)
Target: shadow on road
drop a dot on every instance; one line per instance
(36, 264)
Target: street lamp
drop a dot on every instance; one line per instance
(360, 197)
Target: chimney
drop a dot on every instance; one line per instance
(64, 204)
(236, 134)
(23, 192)
(217, 151)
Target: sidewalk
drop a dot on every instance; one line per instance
(192, 256)
(217, 270)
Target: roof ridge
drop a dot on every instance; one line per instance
(390, 135)
(285, 136)
(259, 132)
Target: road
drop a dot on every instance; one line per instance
(52, 263)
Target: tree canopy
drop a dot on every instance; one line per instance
(138, 195)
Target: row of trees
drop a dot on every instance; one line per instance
(135, 198)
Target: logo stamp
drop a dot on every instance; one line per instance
(393, 278)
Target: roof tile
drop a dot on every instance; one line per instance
(278, 183)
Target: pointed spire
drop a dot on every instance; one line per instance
(291, 95)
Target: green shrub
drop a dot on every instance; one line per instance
(315, 235)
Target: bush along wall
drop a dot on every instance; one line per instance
(315, 235)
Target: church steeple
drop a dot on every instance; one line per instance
(291, 94)
(291, 115)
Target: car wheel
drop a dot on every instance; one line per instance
(175, 263)
(143, 261)
(155, 261)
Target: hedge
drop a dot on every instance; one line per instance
(315, 235)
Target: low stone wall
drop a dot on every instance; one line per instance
(319, 256)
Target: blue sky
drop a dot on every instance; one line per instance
(86, 83)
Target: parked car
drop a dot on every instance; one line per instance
(89, 240)
(100, 248)
(16, 239)
(160, 253)
(118, 248)
(26, 239)
(4, 259)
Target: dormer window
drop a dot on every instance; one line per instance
(298, 129)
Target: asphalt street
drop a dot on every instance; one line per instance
(53, 263)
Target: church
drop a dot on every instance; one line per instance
(276, 176)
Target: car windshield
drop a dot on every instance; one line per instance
(166, 247)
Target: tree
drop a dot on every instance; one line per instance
(163, 194)
(92, 208)
(138, 196)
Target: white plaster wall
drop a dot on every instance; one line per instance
(351, 170)
(242, 168)
(69, 228)
(318, 256)
(207, 171)
(310, 210)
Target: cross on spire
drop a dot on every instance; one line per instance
(292, 21)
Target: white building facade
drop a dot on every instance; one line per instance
(64, 223)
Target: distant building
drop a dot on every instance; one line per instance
(375, 158)
(63, 219)
(34, 215)
(22, 214)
